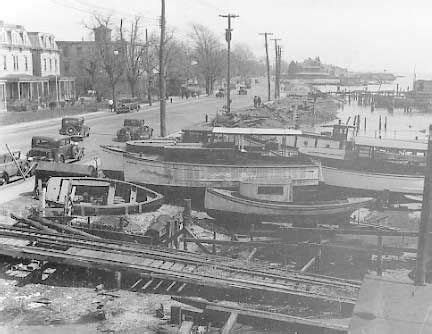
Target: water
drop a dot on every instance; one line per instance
(400, 125)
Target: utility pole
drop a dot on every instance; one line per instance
(228, 39)
(279, 70)
(162, 83)
(267, 62)
(276, 65)
(148, 69)
(423, 238)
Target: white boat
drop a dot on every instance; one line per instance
(260, 200)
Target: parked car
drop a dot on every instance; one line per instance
(127, 105)
(54, 149)
(134, 129)
(8, 167)
(220, 92)
(74, 126)
(242, 90)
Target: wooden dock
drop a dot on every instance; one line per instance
(174, 269)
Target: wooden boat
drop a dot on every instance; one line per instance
(274, 200)
(95, 196)
(365, 163)
(212, 157)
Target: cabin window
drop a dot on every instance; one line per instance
(327, 146)
(305, 143)
(270, 190)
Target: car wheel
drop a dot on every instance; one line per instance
(4, 179)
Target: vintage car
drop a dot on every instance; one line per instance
(74, 126)
(134, 129)
(127, 105)
(9, 167)
(54, 149)
(242, 90)
(220, 92)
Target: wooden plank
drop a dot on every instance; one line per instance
(170, 286)
(167, 265)
(180, 289)
(186, 327)
(158, 285)
(308, 264)
(136, 284)
(147, 284)
(229, 324)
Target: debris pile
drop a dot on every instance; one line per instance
(292, 111)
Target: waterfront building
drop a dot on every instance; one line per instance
(28, 74)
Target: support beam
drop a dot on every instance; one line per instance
(229, 324)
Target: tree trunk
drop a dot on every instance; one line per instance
(149, 96)
(113, 87)
(132, 84)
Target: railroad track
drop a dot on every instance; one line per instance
(173, 265)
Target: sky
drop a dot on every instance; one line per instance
(362, 35)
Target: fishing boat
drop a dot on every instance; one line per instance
(213, 157)
(85, 196)
(365, 163)
(273, 200)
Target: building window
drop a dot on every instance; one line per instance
(66, 51)
(26, 63)
(270, 190)
(50, 64)
(79, 50)
(15, 63)
(45, 65)
(5, 62)
(66, 68)
(55, 65)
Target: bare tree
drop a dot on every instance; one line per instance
(208, 53)
(110, 54)
(149, 63)
(134, 56)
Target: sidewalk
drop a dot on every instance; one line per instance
(91, 115)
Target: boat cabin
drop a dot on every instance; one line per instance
(267, 189)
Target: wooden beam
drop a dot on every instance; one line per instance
(229, 324)
(147, 284)
(308, 264)
(66, 228)
(33, 223)
(136, 284)
(196, 240)
(251, 254)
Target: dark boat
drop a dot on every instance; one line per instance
(211, 157)
(84, 196)
(259, 200)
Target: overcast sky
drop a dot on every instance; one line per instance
(392, 35)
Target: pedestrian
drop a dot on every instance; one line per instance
(206, 118)
(111, 104)
(171, 99)
(255, 101)
(258, 101)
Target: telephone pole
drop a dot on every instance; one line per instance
(162, 83)
(425, 219)
(276, 93)
(279, 70)
(267, 62)
(228, 39)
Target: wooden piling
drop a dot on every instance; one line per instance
(380, 248)
(118, 279)
(379, 123)
(423, 239)
(187, 217)
(385, 123)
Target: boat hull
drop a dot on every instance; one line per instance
(404, 184)
(151, 170)
(225, 203)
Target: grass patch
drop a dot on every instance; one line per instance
(15, 117)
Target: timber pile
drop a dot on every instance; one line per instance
(283, 113)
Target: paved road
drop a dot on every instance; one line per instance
(104, 125)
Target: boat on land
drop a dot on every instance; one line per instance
(365, 163)
(86, 196)
(273, 200)
(213, 157)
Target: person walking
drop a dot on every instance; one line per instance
(111, 104)
(258, 102)
(255, 101)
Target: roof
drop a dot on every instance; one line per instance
(256, 131)
(391, 143)
(22, 77)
